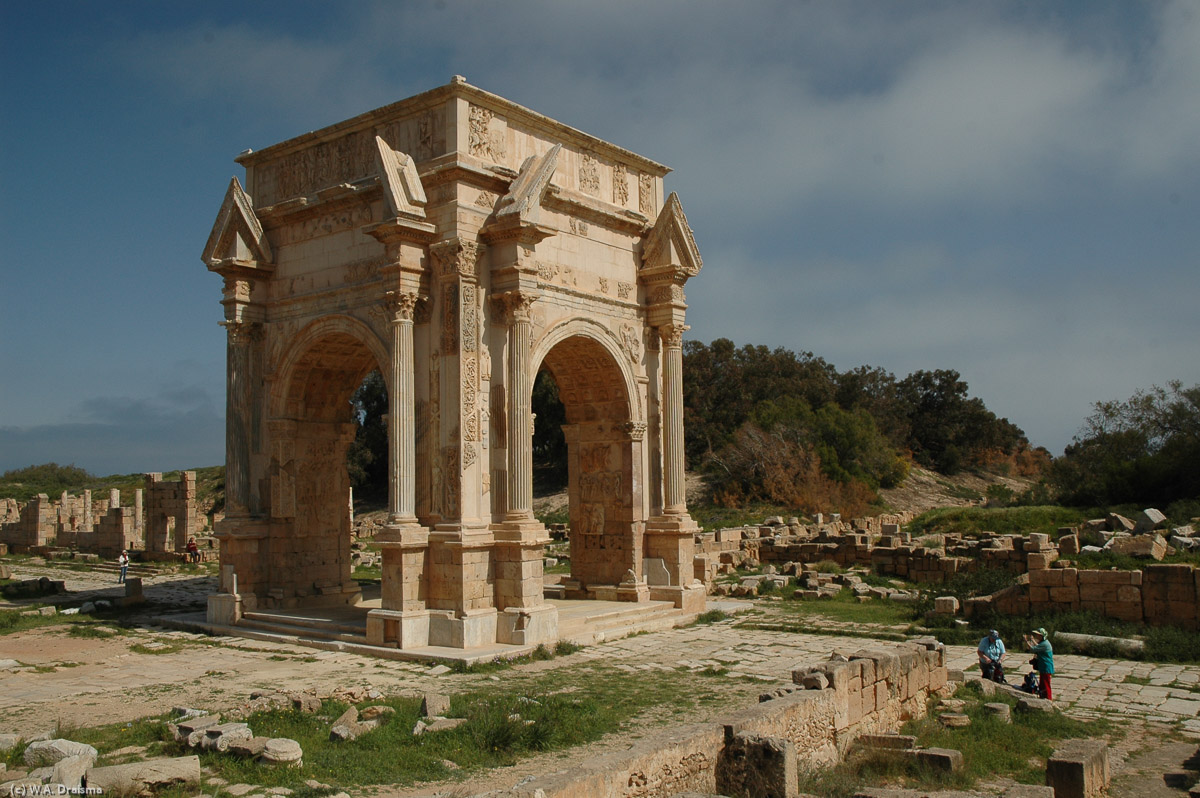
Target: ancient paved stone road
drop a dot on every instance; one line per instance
(114, 682)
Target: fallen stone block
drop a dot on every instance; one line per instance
(1028, 791)
(1078, 769)
(306, 702)
(945, 605)
(220, 737)
(45, 753)
(999, 710)
(890, 742)
(954, 720)
(145, 777)
(283, 752)
(434, 704)
(943, 759)
(69, 772)
(1150, 519)
(248, 748)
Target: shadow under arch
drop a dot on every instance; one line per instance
(310, 429)
(606, 459)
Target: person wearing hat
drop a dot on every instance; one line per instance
(123, 561)
(991, 652)
(1043, 660)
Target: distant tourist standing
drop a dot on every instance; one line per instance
(991, 652)
(1043, 660)
(123, 562)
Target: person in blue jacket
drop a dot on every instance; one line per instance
(991, 653)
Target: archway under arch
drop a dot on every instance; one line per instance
(311, 428)
(605, 463)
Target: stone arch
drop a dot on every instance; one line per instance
(310, 429)
(606, 459)
(603, 339)
(343, 340)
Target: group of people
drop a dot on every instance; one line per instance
(193, 555)
(991, 661)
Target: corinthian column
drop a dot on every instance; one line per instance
(237, 415)
(402, 455)
(520, 418)
(674, 496)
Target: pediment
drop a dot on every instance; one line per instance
(670, 244)
(524, 198)
(401, 183)
(237, 234)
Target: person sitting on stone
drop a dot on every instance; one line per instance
(193, 551)
(991, 653)
(1043, 660)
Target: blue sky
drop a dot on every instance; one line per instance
(1009, 189)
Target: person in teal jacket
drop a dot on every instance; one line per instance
(1043, 660)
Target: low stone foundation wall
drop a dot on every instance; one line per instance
(1158, 594)
(814, 721)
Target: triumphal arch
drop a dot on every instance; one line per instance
(458, 243)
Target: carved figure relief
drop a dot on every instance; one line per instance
(342, 160)
(620, 185)
(547, 271)
(345, 219)
(469, 455)
(624, 290)
(668, 293)
(601, 487)
(485, 364)
(595, 457)
(451, 478)
(450, 318)
(484, 141)
(589, 175)
(646, 195)
(484, 419)
(577, 227)
(425, 136)
(604, 285)
(486, 199)
(631, 340)
(591, 519)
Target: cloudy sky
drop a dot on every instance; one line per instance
(1009, 189)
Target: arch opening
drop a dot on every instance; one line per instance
(604, 469)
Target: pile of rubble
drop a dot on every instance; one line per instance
(1145, 536)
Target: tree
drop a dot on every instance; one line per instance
(367, 458)
(1145, 450)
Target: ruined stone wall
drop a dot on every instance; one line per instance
(1157, 594)
(870, 692)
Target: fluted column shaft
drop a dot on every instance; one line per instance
(402, 452)
(520, 418)
(237, 416)
(674, 489)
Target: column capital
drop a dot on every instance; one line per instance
(672, 334)
(400, 305)
(516, 305)
(242, 332)
(457, 257)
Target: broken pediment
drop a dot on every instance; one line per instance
(237, 234)
(524, 198)
(401, 184)
(669, 245)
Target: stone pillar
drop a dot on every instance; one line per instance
(402, 454)
(114, 498)
(520, 419)
(674, 486)
(237, 416)
(139, 526)
(402, 617)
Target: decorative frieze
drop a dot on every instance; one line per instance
(631, 342)
(646, 195)
(620, 185)
(486, 140)
(589, 175)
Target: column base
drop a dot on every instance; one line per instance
(470, 629)
(691, 598)
(404, 629)
(633, 591)
(527, 626)
(225, 609)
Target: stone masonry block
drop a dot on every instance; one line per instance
(1078, 769)
(753, 765)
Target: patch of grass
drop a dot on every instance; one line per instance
(991, 748)
(563, 567)
(846, 607)
(711, 517)
(970, 521)
(711, 617)
(565, 647)
(1131, 679)
(89, 631)
(825, 567)
(13, 621)
(139, 648)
